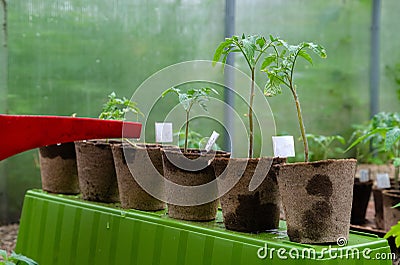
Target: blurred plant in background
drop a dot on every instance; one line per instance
(369, 143)
(394, 74)
(323, 147)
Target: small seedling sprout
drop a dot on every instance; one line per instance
(188, 99)
(116, 109)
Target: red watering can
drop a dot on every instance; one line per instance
(19, 133)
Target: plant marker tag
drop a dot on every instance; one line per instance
(213, 138)
(364, 175)
(382, 180)
(283, 146)
(163, 132)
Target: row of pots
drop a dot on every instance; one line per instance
(384, 199)
(316, 196)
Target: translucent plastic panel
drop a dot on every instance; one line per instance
(390, 57)
(333, 91)
(66, 56)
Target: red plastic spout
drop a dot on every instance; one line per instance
(19, 133)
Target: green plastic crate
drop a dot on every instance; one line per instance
(59, 229)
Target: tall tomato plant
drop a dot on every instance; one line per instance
(280, 66)
(251, 48)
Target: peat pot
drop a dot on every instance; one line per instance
(361, 196)
(390, 215)
(378, 205)
(245, 209)
(191, 169)
(96, 171)
(58, 168)
(317, 198)
(144, 161)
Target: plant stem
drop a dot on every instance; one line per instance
(250, 114)
(186, 132)
(301, 123)
(251, 137)
(298, 108)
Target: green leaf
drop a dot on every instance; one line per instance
(170, 90)
(221, 48)
(318, 49)
(184, 101)
(396, 161)
(340, 139)
(396, 206)
(267, 61)
(192, 96)
(203, 106)
(249, 48)
(116, 108)
(260, 42)
(21, 258)
(273, 39)
(3, 254)
(214, 91)
(365, 136)
(397, 241)
(394, 231)
(272, 88)
(283, 43)
(306, 56)
(392, 137)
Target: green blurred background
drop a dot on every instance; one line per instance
(60, 57)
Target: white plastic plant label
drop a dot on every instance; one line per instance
(382, 180)
(163, 132)
(364, 175)
(213, 138)
(283, 146)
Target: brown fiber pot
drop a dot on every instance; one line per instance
(317, 199)
(378, 205)
(96, 171)
(361, 196)
(58, 168)
(144, 160)
(244, 210)
(390, 215)
(178, 175)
